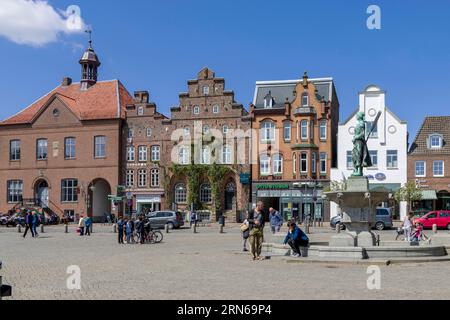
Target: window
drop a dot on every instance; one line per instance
(304, 129)
(183, 155)
(303, 163)
(142, 153)
(15, 191)
(180, 193)
(41, 149)
(312, 130)
(323, 130)
(435, 141)
(140, 111)
(294, 163)
(14, 150)
(215, 109)
(187, 131)
(438, 168)
(314, 163)
(69, 190)
(267, 131)
(130, 133)
(420, 169)
(129, 182)
(100, 147)
(305, 100)
(196, 110)
(205, 129)
(374, 156)
(156, 153)
(205, 193)
(149, 132)
(287, 130)
(349, 159)
(323, 162)
(392, 159)
(225, 129)
(130, 154)
(142, 178)
(205, 90)
(226, 154)
(264, 164)
(69, 148)
(277, 163)
(205, 155)
(154, 178)
(369, 126)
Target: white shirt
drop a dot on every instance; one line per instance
(407, 223)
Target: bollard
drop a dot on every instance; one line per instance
(66, 228)
(42, 228)
(167, 228)
(115, 227)
(338, 228)
(434, 228)
(19, 228)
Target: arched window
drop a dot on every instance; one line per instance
(226, 154)
(304, 129)
(180, 193)
(155, 178)
(205, 193)
(264, 164)
(267, 131)
(277, 163)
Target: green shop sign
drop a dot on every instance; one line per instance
(272, 186)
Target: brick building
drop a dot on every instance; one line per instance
(209, 127)
(63, 152)
(295, 123)
(428, 163)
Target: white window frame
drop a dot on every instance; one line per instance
(215, 108)
(129, 179)
(206, 156)
(439, 138)
(154, 178)
(391, 164)
(323, 162)
(70, 148)
(287, 131)
(156, 153)
(205, 90)
(304, 125)
(41, 149)
(142, 154)
(303, 162)
(205, 195)
(186, 131)
(14, 191)
(99, 147)
(131, 154)
(196, 110)
(277, 164)
(443, 168)
(267, 131)
(183, 155)
(424, 169)
(375, 152)
(314, 163)
(349, 163)
(225, 129)
(15, 150)
(205, 129)
(180, 193)
(294, 163)
(142, 178)
(323, 129)
(149, 132)
(227, 154)
(140, 111)
(264, 163)
(305, 102)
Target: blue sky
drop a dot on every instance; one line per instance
(159, 45)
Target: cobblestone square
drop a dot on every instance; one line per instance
(206, 265)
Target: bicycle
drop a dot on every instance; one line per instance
(152, 236)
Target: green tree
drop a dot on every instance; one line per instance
(409, 193)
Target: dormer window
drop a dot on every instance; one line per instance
(435, 141)
(305, 100)
(268, 101)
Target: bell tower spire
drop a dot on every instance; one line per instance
(89, 65)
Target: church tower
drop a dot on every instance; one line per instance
(89, 65)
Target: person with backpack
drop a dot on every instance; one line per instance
(296, 238)
(245, 229)
(29, 224)
(256, 224)
(88, 224)
(120, 227)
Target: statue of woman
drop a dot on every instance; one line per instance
(361, 156)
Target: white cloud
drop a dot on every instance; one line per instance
(35, 22)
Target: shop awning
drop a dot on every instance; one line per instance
(429, 195)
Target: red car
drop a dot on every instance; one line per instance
(440, 218)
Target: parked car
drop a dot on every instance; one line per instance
(383, 220)
(440, 218)
(159, 219)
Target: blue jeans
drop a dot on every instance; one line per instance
(34, 229)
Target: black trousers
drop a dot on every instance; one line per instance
(296, 244)
(88, 230)
(120, 236)
(28, 227)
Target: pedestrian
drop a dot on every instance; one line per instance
(193, 219)
(35, 223)
(276, 221)
(88, 225)
(407, 226)
(81, 225)
(418, 234)
(141, 229)
(129, 231)
(296, 238)
(245, 229)
(29, 224)
(256, 225)
(133, 224)
(120, 226)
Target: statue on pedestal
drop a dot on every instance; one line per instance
(361, 156)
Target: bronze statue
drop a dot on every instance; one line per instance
(361, 156)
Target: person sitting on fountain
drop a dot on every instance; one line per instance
(296, 238)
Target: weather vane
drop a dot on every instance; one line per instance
(89, 31)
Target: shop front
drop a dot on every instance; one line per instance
(146, 203)
(292, 200)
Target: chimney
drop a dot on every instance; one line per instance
(66, 82)
(287, 108)
(141, 96)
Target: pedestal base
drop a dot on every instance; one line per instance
(343, 240)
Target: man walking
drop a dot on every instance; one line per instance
(35, 222)
(88, 224)
(120, 226)
(276, 221)
(257, 231)
(29, 224)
